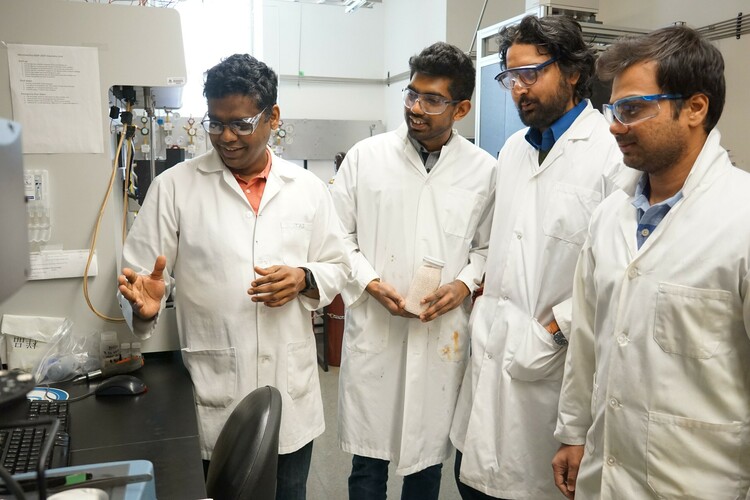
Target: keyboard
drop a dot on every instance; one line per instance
(21, 446)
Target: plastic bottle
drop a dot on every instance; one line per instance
(109, 348)
(426, 280)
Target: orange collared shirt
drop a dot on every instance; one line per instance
(254, 188)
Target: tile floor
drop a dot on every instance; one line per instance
(330, 466)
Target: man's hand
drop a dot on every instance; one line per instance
(277, 285)
(444, 299)
(388, 297)
(565, 468)
(143, 291)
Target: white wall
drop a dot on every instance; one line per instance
(324, 41)
(652, 15)
(462, 21)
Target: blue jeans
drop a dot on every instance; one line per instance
(467, 492)
(292, 472)
(369, 481)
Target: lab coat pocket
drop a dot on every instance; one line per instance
(460, 211)
(691, 321)
(537, 356)
(214, 375)
(301, 367)
(453, 337)
(688, 458)
(367, 326)
(295, 238)
(568, 212)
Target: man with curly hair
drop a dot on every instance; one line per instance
(550, 178)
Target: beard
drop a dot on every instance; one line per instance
(662, 151)
(545, 114)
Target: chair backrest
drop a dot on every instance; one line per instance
(244, 460)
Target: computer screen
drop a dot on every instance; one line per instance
(14, 227)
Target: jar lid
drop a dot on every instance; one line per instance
(433, 261)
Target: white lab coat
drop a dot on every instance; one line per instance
(657, 384)
(506, 411)
(198, 217)
(400, 377)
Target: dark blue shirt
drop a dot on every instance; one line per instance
(649, 216)
(543, 141)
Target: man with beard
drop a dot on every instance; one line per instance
(550, 178)
(420, 191)
(254, 245)
(655, 400)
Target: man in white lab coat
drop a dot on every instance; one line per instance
(656, 394)
(420, 191)
(550, 178)
(254, 245)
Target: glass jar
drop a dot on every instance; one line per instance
(426, 280)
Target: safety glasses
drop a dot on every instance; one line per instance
(523, 76)
(635, 109)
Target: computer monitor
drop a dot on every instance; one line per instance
(14, 226)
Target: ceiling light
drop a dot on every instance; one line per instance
(353, 5)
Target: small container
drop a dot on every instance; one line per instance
(135, 349)
(125, 350)
(109, 348)
(426, 280)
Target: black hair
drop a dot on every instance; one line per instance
(443, 59)
(244, 75)
(687, 64)
(558, 36)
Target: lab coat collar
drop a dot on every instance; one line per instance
(402, 132)
(581, 129)
(712, 161)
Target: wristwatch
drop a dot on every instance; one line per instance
(557, 334)
(310, 283)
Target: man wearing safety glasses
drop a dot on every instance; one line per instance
(419, 191)
(550, 178)
(656, 396)
(253, 245)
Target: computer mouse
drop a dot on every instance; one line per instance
(120, 385)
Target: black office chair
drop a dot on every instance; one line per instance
(243, 464)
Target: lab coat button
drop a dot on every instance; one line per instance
(505, 297)
(611, 461)
(249, 214)
(519, 235)
(622, 339)
(614, 403)
(632, 272)
(489, 355)
(265, 359)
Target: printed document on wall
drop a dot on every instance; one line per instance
(56, 96)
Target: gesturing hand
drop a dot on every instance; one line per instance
(144, 291)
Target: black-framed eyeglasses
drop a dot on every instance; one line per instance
(523, 76)
(243, 126)
(431, 104)
(635, 109)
